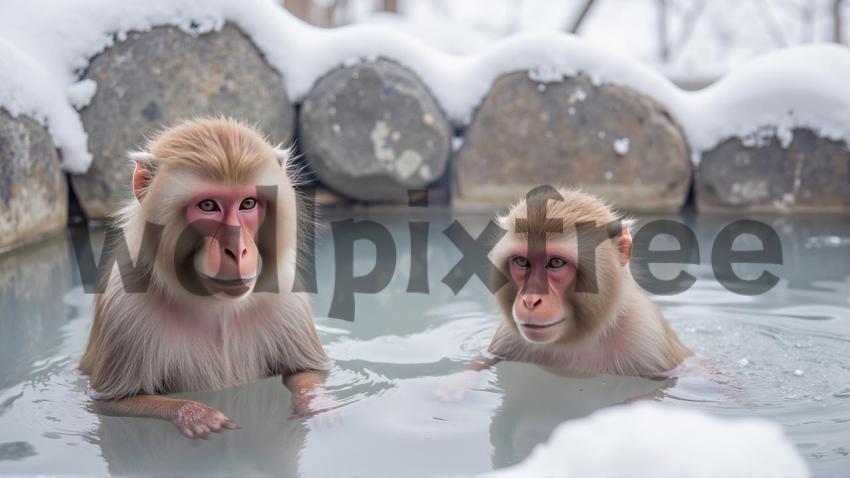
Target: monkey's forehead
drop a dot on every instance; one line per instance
(556, 224)
(564, 245)
(188, 177)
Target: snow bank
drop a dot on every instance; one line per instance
(27, 87)
(801, 87)
(45, 46)
(649, 439)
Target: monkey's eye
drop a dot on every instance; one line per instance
(208, 205)
(248, 204)
(556, 263)
(521, 262)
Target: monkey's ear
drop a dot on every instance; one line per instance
(284, 155)
(145, 166)
(624, 243)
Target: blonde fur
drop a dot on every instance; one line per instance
(616, 329)
(169, 340)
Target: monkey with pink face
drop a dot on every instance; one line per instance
(216, 309)
(573, 309)
(559, 312)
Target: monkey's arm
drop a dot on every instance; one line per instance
(454, 387)
(193, 419)
(308, 392)
(483, 361)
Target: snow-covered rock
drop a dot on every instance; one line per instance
(539, 128)
(154, 79)
(372, 131)
(809, 174)
(46, 48)
(653, 440)
(797, 88)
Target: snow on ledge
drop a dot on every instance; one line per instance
(801, 87)
(46, 45)
(650, 439)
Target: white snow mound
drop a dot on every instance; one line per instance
(652, 440)
(45, 47)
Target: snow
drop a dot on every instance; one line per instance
(621, 146)
(27, 87)
(655, 440)
(80, 94)
(41, 63)
(800, 87)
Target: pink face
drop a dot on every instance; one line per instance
(542, 280)
(228, 261)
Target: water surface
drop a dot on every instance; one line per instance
(787, 352)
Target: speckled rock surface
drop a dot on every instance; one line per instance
(609, 140)
(811, 174)
(33, 189)
(372, 131)
(154, 79)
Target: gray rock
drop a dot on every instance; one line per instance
(811, 174)
(373, 131)
(156, 78)
(33, 189)
(608, 140)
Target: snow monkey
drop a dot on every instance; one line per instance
(569, 300)
(215, 309)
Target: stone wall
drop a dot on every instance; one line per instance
(369, 132)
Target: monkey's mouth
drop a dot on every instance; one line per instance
(232, 287)
(533, 326)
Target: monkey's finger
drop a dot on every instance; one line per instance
(198, 429)
(230, 424)
(214, 426)
(186, 432)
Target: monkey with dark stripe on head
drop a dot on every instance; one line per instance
(568, 312)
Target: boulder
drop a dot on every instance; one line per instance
(808, 173)
(608, 140)
(372, 131)
(33, 188)
(153, 79)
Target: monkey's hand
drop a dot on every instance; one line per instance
(193, 419)
(196, 420)
(457, 385)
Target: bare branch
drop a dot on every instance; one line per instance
(588, 4)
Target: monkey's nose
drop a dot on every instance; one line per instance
(232, 255)
(531, 301)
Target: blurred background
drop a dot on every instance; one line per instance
(693, 42)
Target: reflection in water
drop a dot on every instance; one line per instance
(785, 351)
(268, 443)
(535, 402)
(16, 450)
(31, 279)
